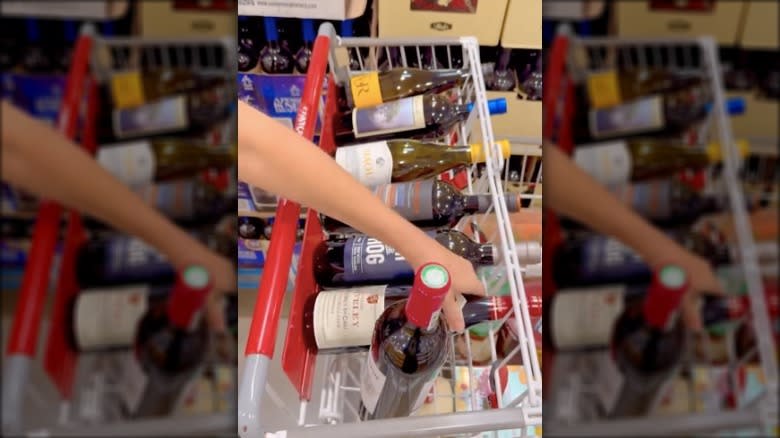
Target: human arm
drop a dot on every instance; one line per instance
(576, 194)
(276, 159)
(39, 160)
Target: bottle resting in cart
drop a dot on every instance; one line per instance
(187, 200)
(409, 345)
(342, 320)
(374, 88)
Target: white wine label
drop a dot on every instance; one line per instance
(346, 318)
(371, 382)
(132, 380)
(426, 391)
(369, 163)
(642, 115)
(401, 115)
(132, 163)
(609, 163)
(584, 318)
(166, 115)
(609, 380)
(108, 318)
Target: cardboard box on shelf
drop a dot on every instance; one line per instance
(74, 10)
(668, 18)
(317, 9)
(482, 19)
(760, 28)
(523, 25)
(523, 118)
(759, 120)
(171, 18)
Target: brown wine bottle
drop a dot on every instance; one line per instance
(374, 88)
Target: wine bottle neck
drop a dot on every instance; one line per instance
(482, 203)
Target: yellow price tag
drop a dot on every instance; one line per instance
(127, 89)
(603, 89)
(365, 90)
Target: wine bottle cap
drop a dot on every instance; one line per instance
(529, 253)
(663, 298)
(188, 295)
(495, 106)
(478, 151)
(734, 106)
(716, 154)
(431, 284)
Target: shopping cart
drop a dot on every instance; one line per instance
(339, 396)
(570, 60)
(84, 408)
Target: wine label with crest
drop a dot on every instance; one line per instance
(638, 116)
(368, 259)
(172, 199)
(400, 115)
(129, 259)
(369, 163)
(365, 89)
(372, 380)
(584, 318)
(412, 200)
(165, 115)
(127, 89)
(346, 318)
(603, 89)
(108, 318)
(606, 259)
(132, 163)
(609, 163)
(651, 199)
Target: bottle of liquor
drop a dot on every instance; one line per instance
(429, 115)
(35, 60)
(275, 58)
(621, 161)
(326, 312)
(251, 227)
(409, 345)
(248, 48)
(137, 163)
(611, 88)
(361, 259)
(648, 344)
(64, 56)
(303, 56)
(192, 113)
(135, 88)
(503, 77)
(671, 112)
(391, 161)
(374, 88)
(122, 259)
(429, 204)
(666, 201)
(187, 200)
(600, 259)
(172, 344)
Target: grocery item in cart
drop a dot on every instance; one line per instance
(429, 204)
(187, 200)
(342, 320)
(390, 161)
(620, 161)
(361, 259)
(135, 88)
(409, 345)
(613, 87)
(430, 115)
(368, 89)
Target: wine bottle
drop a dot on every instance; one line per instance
(668, 113)
(137, 163)
(666, 201)
(275, 58)
(122, 259)
(429, 115)
(342, 320)
(170, 345)
(409, 345)
(65, 55)
(610, 88)
(620, 161)
(361, 259)
(389, 58)
(600, 259)
(391, 161)
(347, 32)
(428, 204)
(192, 113)
(648, 344)
(187, 200)
(503, 77)
(373, 88)
(248, 48)
(35, 59)
(135, 88)
(303, 56)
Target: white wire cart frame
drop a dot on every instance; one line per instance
(88, 410)
(759, 416)
(339, 391)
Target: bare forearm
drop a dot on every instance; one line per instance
(276, 159)
(573, 193)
